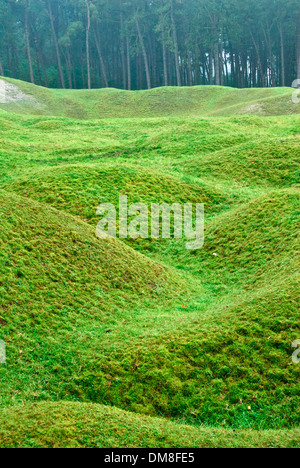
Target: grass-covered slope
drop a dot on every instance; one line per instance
(205, 360)
(260, 233)
(146, 326)
(257, 241)
(226, 364)
(69, 425)
(262, 162)
(78, 189)
(44, 249)
(60, 287)
(171, 101)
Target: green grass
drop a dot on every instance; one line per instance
(200, 338)
(69, 425)
(168, 102)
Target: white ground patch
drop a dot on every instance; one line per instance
(256, 109)
(10, 93)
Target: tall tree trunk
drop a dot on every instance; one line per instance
(62, 79)
(197, 67)
(217, 64)
(87, 43)
(153, 60)
(128, 64)
(42, 60)
(28, 44)
(102, 65)
(241, 72)
(164, 59)
(232, 74)
(226, 70)
(82, 73)
(211, 77)
(258, 59)
(69, 67)
(37, 61)
(189, 67)
(175, 40)
(205, 70)
(1, 69)
(38, 56)
(144, 53)
(270, 53)
(123, 50)
(283, 83)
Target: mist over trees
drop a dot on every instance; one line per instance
(137, 44)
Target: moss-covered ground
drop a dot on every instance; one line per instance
(142, 343)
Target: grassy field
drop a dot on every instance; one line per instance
(142, 343)
(65, 425)
(160, 102)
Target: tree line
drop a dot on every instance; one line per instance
(137, 44)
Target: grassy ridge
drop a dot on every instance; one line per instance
(151, 366)
(65, 425)
(226, 365)
(78, 189)
(59, 278)
(171, 101)
(201, 337)
(263, 162)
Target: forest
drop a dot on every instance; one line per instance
(131, 329)
(142, 44)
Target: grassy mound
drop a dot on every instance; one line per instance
(79, 300)
(113, 103)
(226, 363)
(65, 425)
(256, 242)
(80, 189)
(267, 163)
(202, 337)
(33, 235)
(240, 245)
(57, 278)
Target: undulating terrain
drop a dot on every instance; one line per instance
(142, 343)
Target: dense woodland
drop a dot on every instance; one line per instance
(136, 44)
